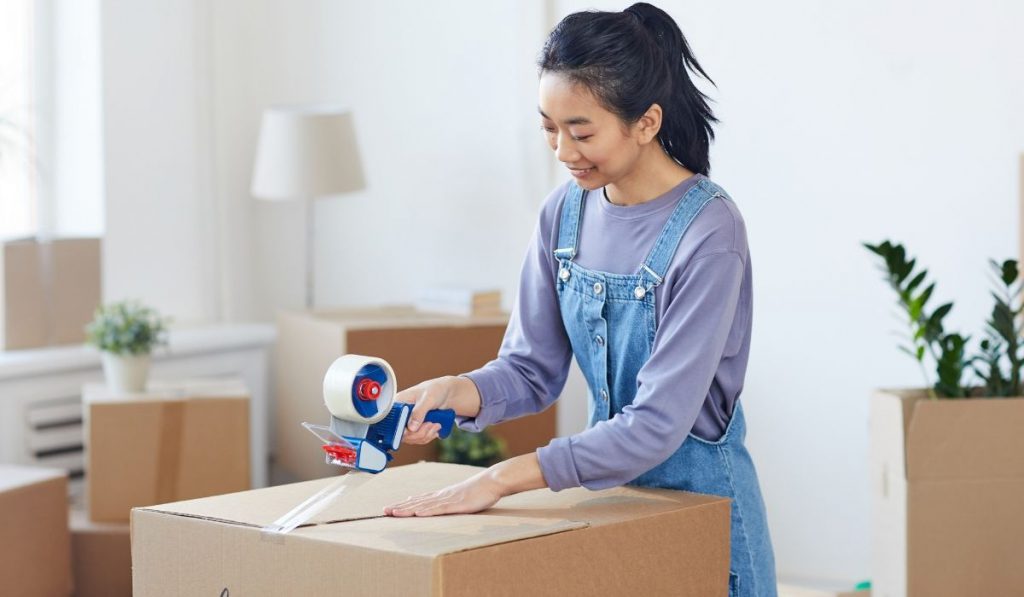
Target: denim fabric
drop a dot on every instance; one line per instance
(610, 321)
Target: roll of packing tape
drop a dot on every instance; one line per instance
(359, 388)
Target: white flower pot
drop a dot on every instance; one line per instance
(126, 373)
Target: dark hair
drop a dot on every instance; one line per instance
(630, 60)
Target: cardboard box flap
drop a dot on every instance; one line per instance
(521, 516)
(433, 536)
(960, 439)
(186, 389)
(365, 501)
(610, 506)
(976, 438)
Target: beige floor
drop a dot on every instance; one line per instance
(792, 591)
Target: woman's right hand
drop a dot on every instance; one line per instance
(426, 396)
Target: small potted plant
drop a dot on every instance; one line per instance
(476, 449)
(126, 333)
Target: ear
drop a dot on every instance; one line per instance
(649, 124)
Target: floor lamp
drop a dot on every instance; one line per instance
(306, 152)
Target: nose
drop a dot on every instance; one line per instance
(565, 150)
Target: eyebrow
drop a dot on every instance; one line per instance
(568, 121)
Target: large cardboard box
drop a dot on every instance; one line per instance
(621, 541)
(35, 552)
(101, 557)
(947, 493)
(419, 346)
(175, 441)
(49, 291)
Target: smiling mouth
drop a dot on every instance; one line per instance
(583, 169)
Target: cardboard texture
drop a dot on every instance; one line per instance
(173, 442)
(946, 496)
(575, 542)
(101, 557)
(49, 291)
(419, 346)
(35, 551)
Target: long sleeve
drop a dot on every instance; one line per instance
(533, 362)
(672, 384)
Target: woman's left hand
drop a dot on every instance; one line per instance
(477, 493)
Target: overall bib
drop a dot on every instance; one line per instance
(610, 321)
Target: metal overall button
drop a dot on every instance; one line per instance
(563, 274)
(600, 340)
(598, 288)
(639, 292)
(604, 395)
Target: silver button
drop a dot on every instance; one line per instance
(598, 287)
(604, 394)
(639, 292)
(600, 340)
(563, 274)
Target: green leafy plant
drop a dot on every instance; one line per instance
(998, 361)
(477, 449)
(127, 327)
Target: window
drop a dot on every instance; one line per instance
(18, 192)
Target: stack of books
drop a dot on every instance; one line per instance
(459, 301)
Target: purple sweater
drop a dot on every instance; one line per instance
(692, 385)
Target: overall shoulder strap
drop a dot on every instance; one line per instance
(654, 267)
(569, 223)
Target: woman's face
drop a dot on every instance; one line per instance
(593, 143)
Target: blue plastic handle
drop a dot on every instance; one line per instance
(444, 417)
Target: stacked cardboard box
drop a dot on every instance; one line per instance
(175, 441)
(621, 541)
(101, 557)
(34, 541)
(467, 302)
(948, 484)
(48, 291)
(419, 346)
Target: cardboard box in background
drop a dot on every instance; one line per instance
(35, 548)
(947, 490)
(176, 441)
(419, 346)
(621, 541)
(49, 291)
(101, 557)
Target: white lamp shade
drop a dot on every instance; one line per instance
(306, 152)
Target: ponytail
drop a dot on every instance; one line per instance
(630, 60)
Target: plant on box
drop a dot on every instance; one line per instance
(476, 449)
(998, 361)
(126, 332)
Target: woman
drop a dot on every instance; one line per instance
(639, 267)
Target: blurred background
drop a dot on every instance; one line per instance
(840, 123)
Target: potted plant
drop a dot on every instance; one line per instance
(126, 333)
(947, 459)
(476, 449)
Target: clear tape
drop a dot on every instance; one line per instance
(315, 504)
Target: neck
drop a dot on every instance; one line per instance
(654, 175)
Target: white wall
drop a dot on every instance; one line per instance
(839, 126)
(160, 214)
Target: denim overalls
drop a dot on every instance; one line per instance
(610, 321)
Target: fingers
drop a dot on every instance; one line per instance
(419, 412)
(430, 504)
(427, 433)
